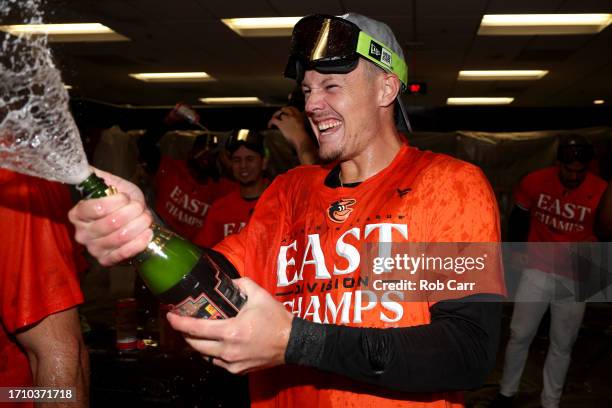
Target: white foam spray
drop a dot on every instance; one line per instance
(38, 135)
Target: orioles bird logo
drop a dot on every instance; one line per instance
(340, 210)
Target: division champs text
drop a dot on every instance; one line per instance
(336, 301)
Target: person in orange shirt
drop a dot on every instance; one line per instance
(185, 189)
(556, 206)
(311, 334)
(40, 335)
(230, 214)
(182, 190)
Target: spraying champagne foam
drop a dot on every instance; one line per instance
(38, 135)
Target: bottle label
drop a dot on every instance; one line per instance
(201, 307)
(207, 291)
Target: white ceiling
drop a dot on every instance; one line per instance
(438, 36)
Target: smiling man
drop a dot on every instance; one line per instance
(311, 333)
(230, 214)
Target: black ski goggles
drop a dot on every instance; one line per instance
(333, 45)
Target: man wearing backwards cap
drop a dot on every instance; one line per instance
(229, 214)
(309, 334)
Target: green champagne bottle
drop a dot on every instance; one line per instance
(195, 281)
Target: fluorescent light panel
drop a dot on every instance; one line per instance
(502, 75)
(543, 24)
(262, 26)
(173, 77)
(479, 101)
(233, 100)
(79, 32)
(599, 101)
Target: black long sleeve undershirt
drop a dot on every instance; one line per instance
(456, 351)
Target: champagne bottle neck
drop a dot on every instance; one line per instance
(167, 257)
(94, 187)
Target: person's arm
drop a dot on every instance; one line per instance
(456, 351)
(58, 357)
(518, 224)
(290, 121)
(603, 219)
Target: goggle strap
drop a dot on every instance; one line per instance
(382, 56)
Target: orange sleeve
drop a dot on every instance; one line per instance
(39, 261)
(249, 250)
(463, 209)
(462, 205)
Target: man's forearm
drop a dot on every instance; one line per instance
(64, 366)
(57, 354)
(456, 351)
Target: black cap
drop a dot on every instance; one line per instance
(575, 148)
(250, 138)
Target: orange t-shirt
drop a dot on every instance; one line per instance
(303, 244)
(39, 264)
(228, 215)
(181, 201)
(558, 217)
(556, 213)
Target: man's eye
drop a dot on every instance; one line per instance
(330, 87)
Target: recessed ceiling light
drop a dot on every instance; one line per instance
(262, 26)
(502, 75)
(173, 77)
(599, 101)
(67, 87)
(79, 32)
(479, 101)
(233, 100)
(543, 24)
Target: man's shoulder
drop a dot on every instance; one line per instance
(306, 173)
(546, 172)
(596, 181)
(228, 198)
(595, 187)
(440, 165)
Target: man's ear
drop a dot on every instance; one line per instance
(391, 86)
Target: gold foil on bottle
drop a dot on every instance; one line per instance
(111, 190)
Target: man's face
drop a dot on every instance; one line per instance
(341, 109)
(573, 174)
(247, 166)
